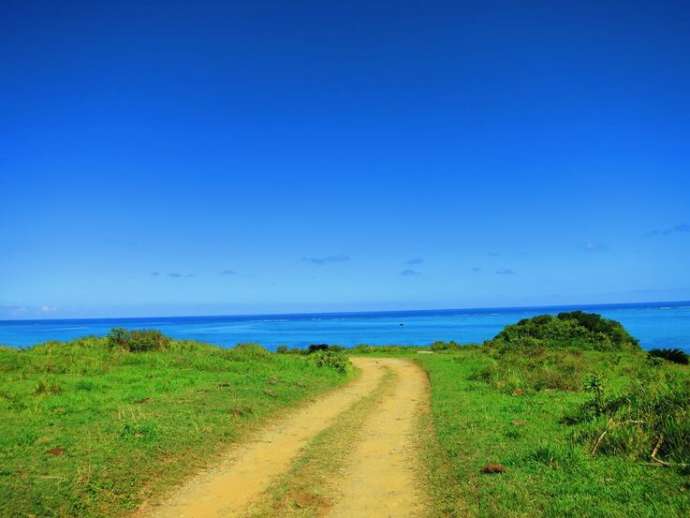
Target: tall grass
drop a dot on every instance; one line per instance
(648, 421)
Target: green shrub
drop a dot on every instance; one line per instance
(140, 340)
(324, 347)
(332, 360)
(574, 329)
(672, 355)
(119, 337)
(148, 340)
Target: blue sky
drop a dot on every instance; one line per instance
(190, 157)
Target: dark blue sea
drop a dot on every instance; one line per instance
(654, 324)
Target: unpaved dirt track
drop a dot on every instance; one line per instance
(381, 479)
(249, 467)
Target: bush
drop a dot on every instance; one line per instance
(324, 347)
(331, 360)
(672, 355)
(119, 337)
(574, 329)
(148, 340)
(140, 340)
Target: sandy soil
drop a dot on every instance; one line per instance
(379, 479)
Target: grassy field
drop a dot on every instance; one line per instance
(588, 426)
(75, 418)
(532, 415)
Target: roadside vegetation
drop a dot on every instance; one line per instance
(535, 423)
(94, 426)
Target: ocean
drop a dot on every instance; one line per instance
(654, 324)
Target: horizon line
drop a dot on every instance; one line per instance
(339, 313)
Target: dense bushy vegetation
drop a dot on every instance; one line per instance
(331, 359)
(323, 355)
(140, 340)
(313, 348)
(672, 355)
(546, 352)
(574, 329)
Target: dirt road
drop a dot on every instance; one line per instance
(380, 476)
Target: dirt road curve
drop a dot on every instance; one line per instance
(379, 480)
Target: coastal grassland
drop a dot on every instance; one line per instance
(94, 426)
(576, 431)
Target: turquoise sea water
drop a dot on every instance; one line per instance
(654, 324)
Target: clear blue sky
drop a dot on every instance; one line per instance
(169, 157)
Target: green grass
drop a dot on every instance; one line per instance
(90, 430)
(512, 410)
